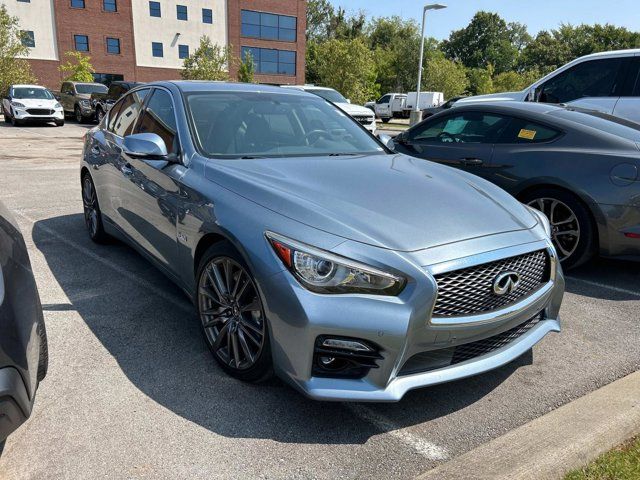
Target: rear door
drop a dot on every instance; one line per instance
(462, 139)
(628, 105)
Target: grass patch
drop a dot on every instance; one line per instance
(621, 463)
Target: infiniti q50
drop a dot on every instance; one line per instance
(312, 251)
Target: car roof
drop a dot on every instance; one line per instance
(511, 107)
(308, 87)
(28, 86)
(211, 86)
(615, 53)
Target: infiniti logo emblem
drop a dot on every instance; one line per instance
(506, 282)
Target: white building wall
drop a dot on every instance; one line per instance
(38, 17)
(172, 32)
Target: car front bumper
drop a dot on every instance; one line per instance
(23, 114)
(401, 327)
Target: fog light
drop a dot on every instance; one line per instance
(346, 345)
(343, 357)
(327, 361)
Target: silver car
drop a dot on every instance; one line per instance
(312, 251)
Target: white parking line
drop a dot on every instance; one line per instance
(420, 445)
(108, 263)
(605, 286)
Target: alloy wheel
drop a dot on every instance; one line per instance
(231, 313)
(90, 204)
(565, 228)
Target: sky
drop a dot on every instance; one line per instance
(536, 14)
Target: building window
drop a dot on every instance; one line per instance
(28, 38)
(25, 1)
(110, 5)
(268, 26)
(77, 3)
(107, 78)
(207, 15)
(81, 43)
(154, 9)
(183, 51)
(156, 49)
(113, 45)
(271, 61)
(181, 11)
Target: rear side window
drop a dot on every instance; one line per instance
(470, 127)
(523, 131)
(128, 111)
(160, 118)
(602, 122)
(595, 78)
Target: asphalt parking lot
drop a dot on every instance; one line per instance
(133, 392)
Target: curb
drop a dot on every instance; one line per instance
(559, 441)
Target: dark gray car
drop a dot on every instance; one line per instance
(23, 340)
(577, 166)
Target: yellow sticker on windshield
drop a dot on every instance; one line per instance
(527, 134)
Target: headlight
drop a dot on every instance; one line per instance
(57, 105)
(17, 104)
(542, 219)
(324, 272)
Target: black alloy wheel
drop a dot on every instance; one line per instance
(92, 215)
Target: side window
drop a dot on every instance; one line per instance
(596, 78)
(470, 127)
(631, 87)
(384, 99)
(160, 118)
(65, 88)
(128, 112)
(116, 91)
(523, 131)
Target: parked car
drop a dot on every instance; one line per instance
(608, 82)
(31, 103)
(23, 338)
(102, 102)
(391, 105)
(427, 112)
(361, 114)
(426, 100)
(310, 249)
(75, 98)
(579, 167)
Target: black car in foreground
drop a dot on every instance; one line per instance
(23, 339)
(579, 167)
(102, 102)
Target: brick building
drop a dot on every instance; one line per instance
(141, 40)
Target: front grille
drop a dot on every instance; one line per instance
(427, 361)
(39, 111)
(363, 119)
(469, 291)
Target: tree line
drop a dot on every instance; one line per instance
(364, 58)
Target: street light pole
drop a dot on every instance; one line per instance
(416, 113)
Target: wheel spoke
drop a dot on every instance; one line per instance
(213, 322)
(224, 332)
(249, 335)
(227, 268)
(246, 323)
(214, 284)
(568, 232)
(253, 306)
(245, 347)
(212, 295)
(218, 279)
(236, 350)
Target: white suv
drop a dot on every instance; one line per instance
(362, 115)
(31, 102)
(608, 82)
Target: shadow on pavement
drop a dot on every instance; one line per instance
(151, 330)
(606, 279)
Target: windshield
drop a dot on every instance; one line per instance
(331, 95)
(601, 121)
(90, 88)
(35, 93)
(250, 124)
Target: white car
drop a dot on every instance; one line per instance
(31, 103)
(363, 115)
(607, 82)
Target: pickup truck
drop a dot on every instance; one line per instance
(102, 102)
(75, 98)
(390, 106)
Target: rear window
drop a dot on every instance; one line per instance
(601, 121)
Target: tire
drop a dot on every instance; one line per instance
(92, 214)
(385, 120)
(59, 123)
(77, 114)
(237, 331)
(15, 122)
(570, 215)
(1, 446)
(43, 363)
(6, 116)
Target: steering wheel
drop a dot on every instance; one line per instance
(446, 137)
(317, 133)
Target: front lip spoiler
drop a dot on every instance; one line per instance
(362, 391)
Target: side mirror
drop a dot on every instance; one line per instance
(386, 140)
(348, 100)
(147, 146)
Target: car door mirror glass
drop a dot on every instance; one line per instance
(386, 140)
(145, 146)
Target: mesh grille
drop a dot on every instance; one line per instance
(432, 360)
(39, 111)
(470, 290)
(363, 119)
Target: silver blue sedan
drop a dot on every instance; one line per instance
(311, 250)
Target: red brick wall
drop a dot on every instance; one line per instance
(297, 8)
(152, 74)
(98, 25)
(47, 73)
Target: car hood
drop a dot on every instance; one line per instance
(493, 97)
(352, 109)
(390, 201)
(36, 103)
(83, 96)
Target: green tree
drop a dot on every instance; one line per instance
(13, 68)
(514, 81)
(349, 67)
(487, 39)
(246, 69)
(319, 15)
(208, 62)
(78, 68)
(444, 75)
(480, 80)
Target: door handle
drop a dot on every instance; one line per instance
(471, 161)
(126, 170)
(95, 150)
